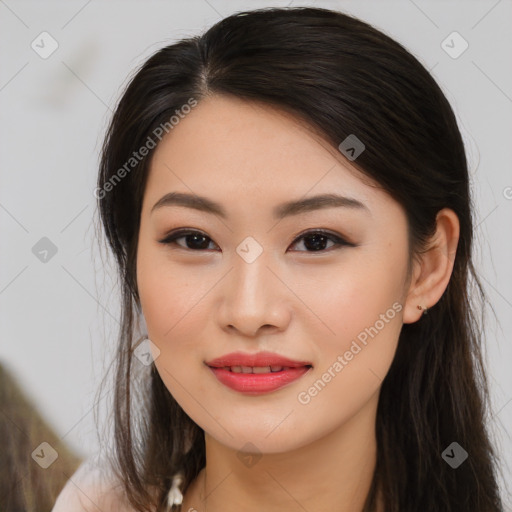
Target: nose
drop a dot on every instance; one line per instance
(254, 300)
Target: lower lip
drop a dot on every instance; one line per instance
(258, 383)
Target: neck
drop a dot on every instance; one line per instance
(333, 472)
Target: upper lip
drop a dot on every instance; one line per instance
(254, 360)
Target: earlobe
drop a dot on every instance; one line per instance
(433, 267)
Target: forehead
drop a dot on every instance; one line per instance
(238, 151)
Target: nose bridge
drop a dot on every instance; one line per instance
(250, 277)
(253, 295)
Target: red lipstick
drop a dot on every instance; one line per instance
(258, 373)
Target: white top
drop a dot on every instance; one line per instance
(91, 487)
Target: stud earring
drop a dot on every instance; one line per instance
(422, 308)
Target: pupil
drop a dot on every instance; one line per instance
(317, 239)
(195, 238)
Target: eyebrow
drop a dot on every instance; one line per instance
(281, 211)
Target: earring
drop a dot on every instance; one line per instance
(175, 497)
(424, 308)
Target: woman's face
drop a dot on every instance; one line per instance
(251, 282)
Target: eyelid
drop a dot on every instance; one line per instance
(169, 238)
(338, 239)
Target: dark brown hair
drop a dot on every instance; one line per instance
(340, 76)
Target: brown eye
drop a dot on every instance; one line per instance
(316, 241)
(194, 240)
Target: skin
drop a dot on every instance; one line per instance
(304, 304)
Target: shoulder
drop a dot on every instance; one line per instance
(90, 489)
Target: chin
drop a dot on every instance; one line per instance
(259, 438)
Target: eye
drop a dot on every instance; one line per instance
(314, 241)
(195, 240)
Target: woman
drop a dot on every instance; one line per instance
(287, 200)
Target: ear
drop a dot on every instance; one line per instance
(432, 269)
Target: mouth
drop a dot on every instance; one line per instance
(258, 380)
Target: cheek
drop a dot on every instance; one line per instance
(174, 299)
(170, 293)
(165, 298)
(364, 291)
(171, 308)
(361, 313)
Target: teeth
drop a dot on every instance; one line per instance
(255, 369)
(261, 369)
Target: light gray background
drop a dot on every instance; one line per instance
(59, 318)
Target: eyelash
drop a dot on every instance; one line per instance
(340, 242)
